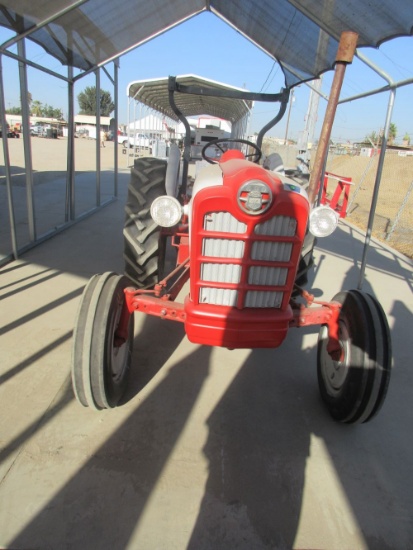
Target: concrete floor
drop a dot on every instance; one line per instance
(211, 449)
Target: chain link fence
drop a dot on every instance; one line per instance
(393, 221)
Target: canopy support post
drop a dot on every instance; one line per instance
(345, 53)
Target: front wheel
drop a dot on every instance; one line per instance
(101, 357)
(354, 387)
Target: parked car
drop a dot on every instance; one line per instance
(36, 130)
(137, 140)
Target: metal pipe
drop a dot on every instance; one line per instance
(31, 215)
(41, 24)
(70, 209)
(116, 124)
(345, 53)
(288, 116)
(7, 171)
(98, 142)
(376, 188)
(34, 65)
(275, 120)
(187, 140)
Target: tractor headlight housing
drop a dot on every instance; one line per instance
(166, 211)
(323, 221)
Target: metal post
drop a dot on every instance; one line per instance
(376, 187)
(7, 164)
(345, 53)
(116, 124)
(31, 215)
(97, 73)
(288, 117)
(187, 139)
(70, 210)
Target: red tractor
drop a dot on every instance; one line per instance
(244, 239)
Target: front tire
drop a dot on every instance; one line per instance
(144, 244)
(100, 360)
(354, 387)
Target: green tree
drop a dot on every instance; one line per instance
(87, 102)
(392, 133)
(14, 111)
(52, 112)
(37, 108)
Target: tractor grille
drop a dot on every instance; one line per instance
(241, 267)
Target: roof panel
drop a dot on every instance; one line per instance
(97, 30)
(154, 93)
(301, 34)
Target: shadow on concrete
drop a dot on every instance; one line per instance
(147, 358)
(32, 284)
(31, 360)
(348, 243)
(101, 505)
(49, 199)
(261, 435)
(258, 444)
(62, 400)
(40, 311)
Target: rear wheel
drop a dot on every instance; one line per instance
(100, 358)
(144, 244)
(355, 386)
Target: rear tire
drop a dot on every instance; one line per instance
(144, 244)
(354, 387)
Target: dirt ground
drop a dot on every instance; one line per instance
(393, 224)
(49, 156)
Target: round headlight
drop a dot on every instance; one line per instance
(166, 211)
(323, 221)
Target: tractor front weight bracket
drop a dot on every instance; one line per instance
(324, 313)
(146, 302)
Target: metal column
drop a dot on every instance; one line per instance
(97, 73)
(24, 99)
(7, 165)
(70, 213)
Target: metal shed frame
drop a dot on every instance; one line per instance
(38, 26)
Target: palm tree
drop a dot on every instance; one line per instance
(37, 108)
(392, 133)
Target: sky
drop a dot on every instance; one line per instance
(208, 47)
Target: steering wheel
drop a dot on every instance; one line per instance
(216, 143)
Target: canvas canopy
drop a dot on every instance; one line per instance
(302, 35)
